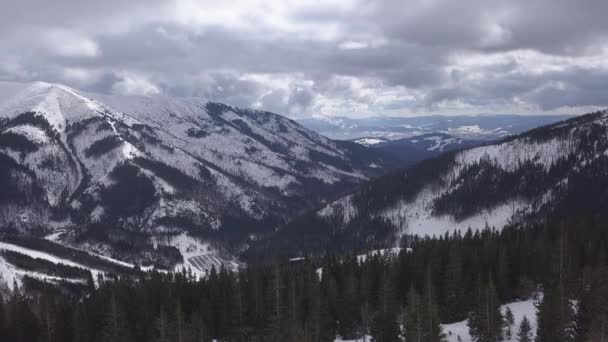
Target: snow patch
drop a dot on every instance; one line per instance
(526, 308)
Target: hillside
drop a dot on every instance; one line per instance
(556, 170)
(409, 151)
(123, 174)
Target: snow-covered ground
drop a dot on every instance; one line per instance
(366, 338)
(235, 156)
(418, 215)
(454, 331)
(369, 141)
(199, 256)
(9, 273)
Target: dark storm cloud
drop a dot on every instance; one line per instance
(298, 59)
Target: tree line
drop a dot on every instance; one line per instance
(390, 297)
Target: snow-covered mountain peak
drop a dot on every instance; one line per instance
(161, 165)
(59, 104)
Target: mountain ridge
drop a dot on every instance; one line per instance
(144, 167)
(558, 169)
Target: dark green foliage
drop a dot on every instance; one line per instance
(485, 320)
(556, 316)
(103, 146)
(196, 133)
(26, 262)
(421, 317)
(12, 192)
(131, 194)
(592, 321)
(354, 296)
(171, 175)
(525, 331)
(68, 253)
(17, 142)
(509, 320)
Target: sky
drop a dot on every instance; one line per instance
(304, 58)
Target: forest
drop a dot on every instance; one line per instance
(400, 297)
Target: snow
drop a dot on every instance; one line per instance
(512, 154)
(59, 104)
(519, 309)
(468, 129)
(388, 252)
(243, 161)
(365, 338)
(369, 141)
(198, 256)
(417, 217)
(342, 207)
(42, 255)
(56, 235)
(32, 133)
(8, 275)
(441, 142)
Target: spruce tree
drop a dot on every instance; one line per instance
(525, 331)
(555, 316)
(454, 294)
(509, 321)
(115, 327)
(384, 327)
(485, 320)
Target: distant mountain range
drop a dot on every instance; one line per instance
(409, 151)
(467, 127)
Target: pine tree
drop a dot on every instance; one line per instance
(413, 317)
(555, 316)
(384, 327)
(509, 321)
(432, 331)
(115, 328)
(592, 317)
(525, 331)
(485, 320)
(80, 325)
(276, 303)
(454, 294)
(3, 318)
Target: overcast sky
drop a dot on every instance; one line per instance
(330, 57)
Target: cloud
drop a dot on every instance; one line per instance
(300, 58)
(65, 43)
(131, 84)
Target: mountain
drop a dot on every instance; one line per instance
(123, 175)
(555, 170)
(468, 127)
(412, 150)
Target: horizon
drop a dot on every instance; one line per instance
(16, 86)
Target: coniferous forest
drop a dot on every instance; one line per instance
(390, 298)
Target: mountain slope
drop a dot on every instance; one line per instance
(125, 171)
(412, 150)
(560, 169)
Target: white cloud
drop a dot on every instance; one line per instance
(70, 44)
(352, 45)
(301, 57)
(132, 84)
